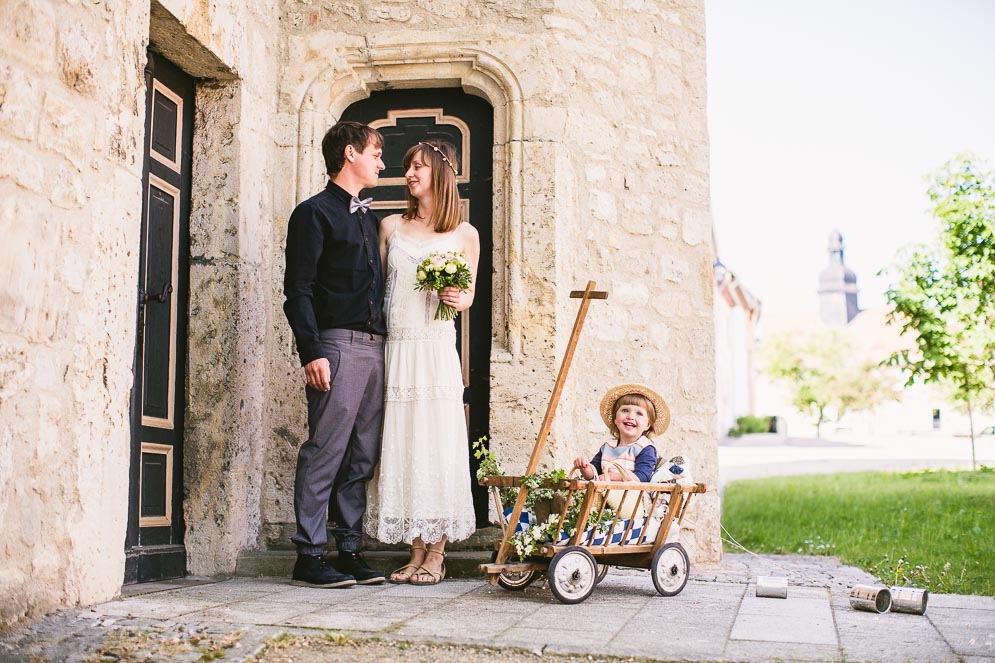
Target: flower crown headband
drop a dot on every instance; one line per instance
(441, 154)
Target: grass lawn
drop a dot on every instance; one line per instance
(932, 529)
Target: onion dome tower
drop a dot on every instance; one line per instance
(837, 286)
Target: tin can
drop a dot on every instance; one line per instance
(909, 599)
(772, 587)
(872, 598)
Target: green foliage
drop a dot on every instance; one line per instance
(489, 466)
(750, 424)
(338, 638)
(824, 374)
(540, 488)
(526, 541)
(488, 462)
(944, 293)
(929, 529)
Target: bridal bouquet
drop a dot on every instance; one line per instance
(441, 270)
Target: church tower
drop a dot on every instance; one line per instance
(837, 286)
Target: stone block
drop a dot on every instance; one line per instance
(30, 26)
(19, 101)
(67, 187)
(21, 166)
(66, 130)
(77, 57)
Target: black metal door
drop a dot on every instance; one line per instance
(405, 117)
(154, 546)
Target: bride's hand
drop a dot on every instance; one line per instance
(456, 298)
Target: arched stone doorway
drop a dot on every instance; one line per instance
(405, 117)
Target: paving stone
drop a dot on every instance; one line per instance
(445, 589)
(482, 625)
(709, 620)
(812, 626)
(789, 607)
(746, 650)
(960, 601)
(345, 621)
(889, 637)
(155, 607)
(970, 632)
(253, 612)
(586, 642)
(582, 617)
(327, 596)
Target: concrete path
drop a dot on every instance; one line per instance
(755, 456)
(717, 617)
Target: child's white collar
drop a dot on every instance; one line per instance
(643, 441)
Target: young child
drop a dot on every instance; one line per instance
(633, 414)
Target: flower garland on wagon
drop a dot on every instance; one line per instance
(527, 540)
(442, 270)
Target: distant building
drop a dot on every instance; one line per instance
(920, 409)
(837, 287)
(737, 312)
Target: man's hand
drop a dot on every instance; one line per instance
(318, 374)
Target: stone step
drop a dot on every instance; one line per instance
(280, 563)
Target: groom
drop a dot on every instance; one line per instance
(334, 286)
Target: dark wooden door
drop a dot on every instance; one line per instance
(154, 545)
(405, 117)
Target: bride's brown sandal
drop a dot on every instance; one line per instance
(421, 570)
(400, 576)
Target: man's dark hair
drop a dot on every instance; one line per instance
(342, 133)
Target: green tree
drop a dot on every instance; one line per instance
(944, 292)
(825, 374)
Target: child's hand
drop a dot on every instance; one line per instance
(586, 469)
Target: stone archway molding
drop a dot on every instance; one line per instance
(430, 65)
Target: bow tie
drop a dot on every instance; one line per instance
(356, 204)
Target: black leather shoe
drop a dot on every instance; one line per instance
(312, 571)
(354, 564)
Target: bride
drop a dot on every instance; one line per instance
(420, 493)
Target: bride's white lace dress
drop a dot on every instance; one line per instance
(422, 485)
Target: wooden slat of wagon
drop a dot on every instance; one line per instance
(513, 568)
(585, 297)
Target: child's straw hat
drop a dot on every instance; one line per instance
(615, 393)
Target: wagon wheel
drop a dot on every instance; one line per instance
(670, 570)
(602, 572)
(572, 574)
(514, 581)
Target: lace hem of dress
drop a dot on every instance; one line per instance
(430, 333)
(426, 392)
(431, 530)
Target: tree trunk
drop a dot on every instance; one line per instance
(970, 421)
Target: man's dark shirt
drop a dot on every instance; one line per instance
(334, 279)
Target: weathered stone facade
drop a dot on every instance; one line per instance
(600, 172)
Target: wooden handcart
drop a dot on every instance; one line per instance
(576, 561)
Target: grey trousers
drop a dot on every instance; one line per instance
(343, 446)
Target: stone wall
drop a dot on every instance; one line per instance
(601, 172)
(72, 109)
(600, 162)
(231, 46)
(71, 125)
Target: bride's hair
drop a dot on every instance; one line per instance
(441, 157)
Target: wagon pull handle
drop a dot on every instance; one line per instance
(585, 296)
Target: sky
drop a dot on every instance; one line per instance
(829, 114)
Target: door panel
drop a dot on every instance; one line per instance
(154, 545)
(161, 267)
(405, 117)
